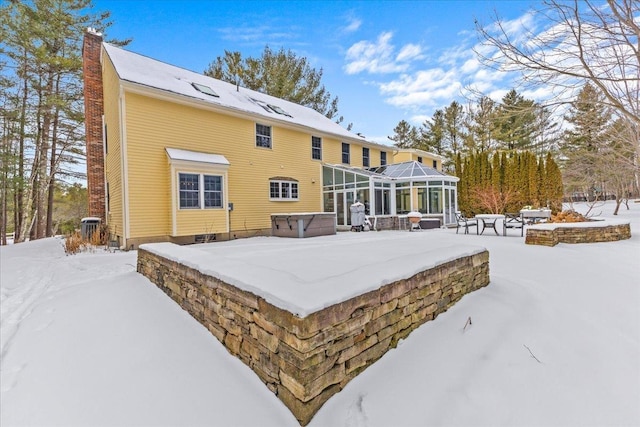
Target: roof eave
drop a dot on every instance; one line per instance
(167, 95)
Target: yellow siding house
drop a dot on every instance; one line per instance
(174, 155)
(411, 154)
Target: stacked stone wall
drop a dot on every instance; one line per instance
(568, 234)
(305, 361)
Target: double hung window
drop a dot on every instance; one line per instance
(365, 157)
(212, 191)
(346, 153)
(263, 136)
(316, 148)
(198, 191)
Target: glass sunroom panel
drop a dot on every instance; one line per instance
(328, 202)
(422, 200)
(327, 176)
(435, 200)
(403, 201)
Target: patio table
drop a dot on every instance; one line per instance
(535, 215)
(490, 221)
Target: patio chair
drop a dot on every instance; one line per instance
(513, 220)
(465, 222)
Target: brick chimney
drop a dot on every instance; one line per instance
(93, 111)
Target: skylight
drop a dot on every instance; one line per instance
(204, 89)
(262, 104)
(279, 110)
(270, 107)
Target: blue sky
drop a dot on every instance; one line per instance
(386, 60)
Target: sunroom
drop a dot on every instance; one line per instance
(390, 192)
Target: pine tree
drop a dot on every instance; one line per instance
(43, 49)
(540, 199)
(431, 134)
(280, 73)
(497, 173)
(553, 188)
(482, 125)
(515, 122)
(581, 147)
(404, 135)
(454, 128)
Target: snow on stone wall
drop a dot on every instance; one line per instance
(305, 361)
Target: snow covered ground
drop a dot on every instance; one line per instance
(554, 341)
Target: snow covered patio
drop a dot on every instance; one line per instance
(309, 315)
(87, 341)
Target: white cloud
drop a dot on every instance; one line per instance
(470, 66)
(353, 25)
(487, 75)
(539, 94)
(498, 94)
(426, 88)
(454, 55)
(454, 72)
(259, 35)
(418, 119)
(517, 29)
(379, 57)
(409, 52)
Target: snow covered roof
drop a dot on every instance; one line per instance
(400, 171)
(420, 152)
(145, 71)
(411, 169)
(195, 156)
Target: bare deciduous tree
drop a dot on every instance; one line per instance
(582, 42)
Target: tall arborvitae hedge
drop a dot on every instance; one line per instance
(552, 184)
(507, 182)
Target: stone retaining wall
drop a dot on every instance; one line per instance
(566, 233)
(305, 361)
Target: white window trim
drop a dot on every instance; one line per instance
(270, 147)
(201, 190)
(183, 161)
(284, 199)
(348, 153)
(313, 148)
